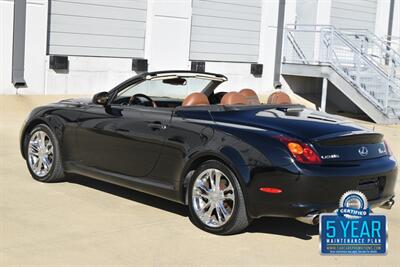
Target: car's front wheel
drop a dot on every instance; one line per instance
(43, 155)
(216, 201)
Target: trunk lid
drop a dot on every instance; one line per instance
(334, 138)
(350, 146)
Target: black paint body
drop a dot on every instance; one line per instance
(154, 149)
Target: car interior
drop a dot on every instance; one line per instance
(143, 94)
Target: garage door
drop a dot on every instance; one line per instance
(355, 14)
(225, 30)
(108, 28)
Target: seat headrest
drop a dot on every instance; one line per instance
(195, 99)
(277, 98)
(251, 96)
(233, 98)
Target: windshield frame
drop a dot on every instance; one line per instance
(215, 81)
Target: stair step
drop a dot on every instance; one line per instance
(394, 106)
(381, 95)
(363, 75)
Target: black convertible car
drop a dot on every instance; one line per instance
(176, 135)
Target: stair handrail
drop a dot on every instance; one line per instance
(381, 43)
(366, 58)
(392, 86)
(392, 57)
(297, 48)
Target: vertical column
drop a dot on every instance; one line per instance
(390, 30)
(279, 41)
(168, 34)
(324, 94)
(18, 52)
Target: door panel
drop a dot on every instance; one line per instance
(121, 139)
(184, 137)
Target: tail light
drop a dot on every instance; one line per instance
(388, 150)
(300, 151)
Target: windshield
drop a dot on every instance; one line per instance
(177, 87)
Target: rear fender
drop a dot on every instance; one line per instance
(227, 155)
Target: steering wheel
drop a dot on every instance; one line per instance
(135, 97)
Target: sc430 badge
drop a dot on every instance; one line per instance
(353, 230)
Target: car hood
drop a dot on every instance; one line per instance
(294, 121)
(76, 101)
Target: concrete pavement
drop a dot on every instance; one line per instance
(85, 222)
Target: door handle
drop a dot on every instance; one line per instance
(157, 125)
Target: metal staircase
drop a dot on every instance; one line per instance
(361, 58)
(377, 50)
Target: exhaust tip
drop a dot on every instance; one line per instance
(316, 220)
(312, 219)
(388, 205)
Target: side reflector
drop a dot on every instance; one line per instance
(270, 190)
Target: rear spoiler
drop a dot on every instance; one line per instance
(349, 138)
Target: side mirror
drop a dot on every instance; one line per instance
(100, 98)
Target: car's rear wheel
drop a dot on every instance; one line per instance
(43, 155)
(216, 201)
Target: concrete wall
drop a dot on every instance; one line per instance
(168, 30)
(354, 14)
(6, 28)
(86, 75)
(166, 47)
(101, 27)
(225, 30)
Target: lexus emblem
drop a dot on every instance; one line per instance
(363, 151)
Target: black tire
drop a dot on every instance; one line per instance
(239, 219)
(56, 173)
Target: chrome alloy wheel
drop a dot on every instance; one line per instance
(213, 198)
(40, 153)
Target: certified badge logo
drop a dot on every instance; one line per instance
(353, 229)
(353, 205)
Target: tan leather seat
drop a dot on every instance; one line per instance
(195, 99)
(233, 98)
(251, 96)
(278, 98)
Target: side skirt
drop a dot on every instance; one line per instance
(146, 185)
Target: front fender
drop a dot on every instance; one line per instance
(56, 119)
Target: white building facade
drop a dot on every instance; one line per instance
(102, 37)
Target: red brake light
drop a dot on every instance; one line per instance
(301, 152)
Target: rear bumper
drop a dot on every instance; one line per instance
(317, 189)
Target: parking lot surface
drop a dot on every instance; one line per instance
(84, 222)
